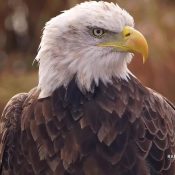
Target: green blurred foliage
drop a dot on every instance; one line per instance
(21, 23)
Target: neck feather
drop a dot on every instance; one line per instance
(87, 68)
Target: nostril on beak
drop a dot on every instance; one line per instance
(127, 34)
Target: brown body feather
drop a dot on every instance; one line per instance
(119, 129)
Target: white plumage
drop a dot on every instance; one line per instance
(68, 49)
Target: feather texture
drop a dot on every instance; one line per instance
(122, 128)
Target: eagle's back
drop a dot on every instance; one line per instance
(121, 128)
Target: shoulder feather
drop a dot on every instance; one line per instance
(9, 125)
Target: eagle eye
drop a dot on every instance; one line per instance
(97, 32)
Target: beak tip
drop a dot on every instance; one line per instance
(145, 55)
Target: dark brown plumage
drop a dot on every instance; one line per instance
(119, 129)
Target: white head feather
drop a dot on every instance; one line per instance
(67, 49)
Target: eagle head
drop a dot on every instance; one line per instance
(91, 42)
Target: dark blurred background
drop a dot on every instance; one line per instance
(21, 23)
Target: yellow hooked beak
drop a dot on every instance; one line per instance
(129, 40)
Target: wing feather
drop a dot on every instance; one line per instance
(9, 126)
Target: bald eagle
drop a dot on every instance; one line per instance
(88, 115)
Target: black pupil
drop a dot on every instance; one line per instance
(98, 31)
